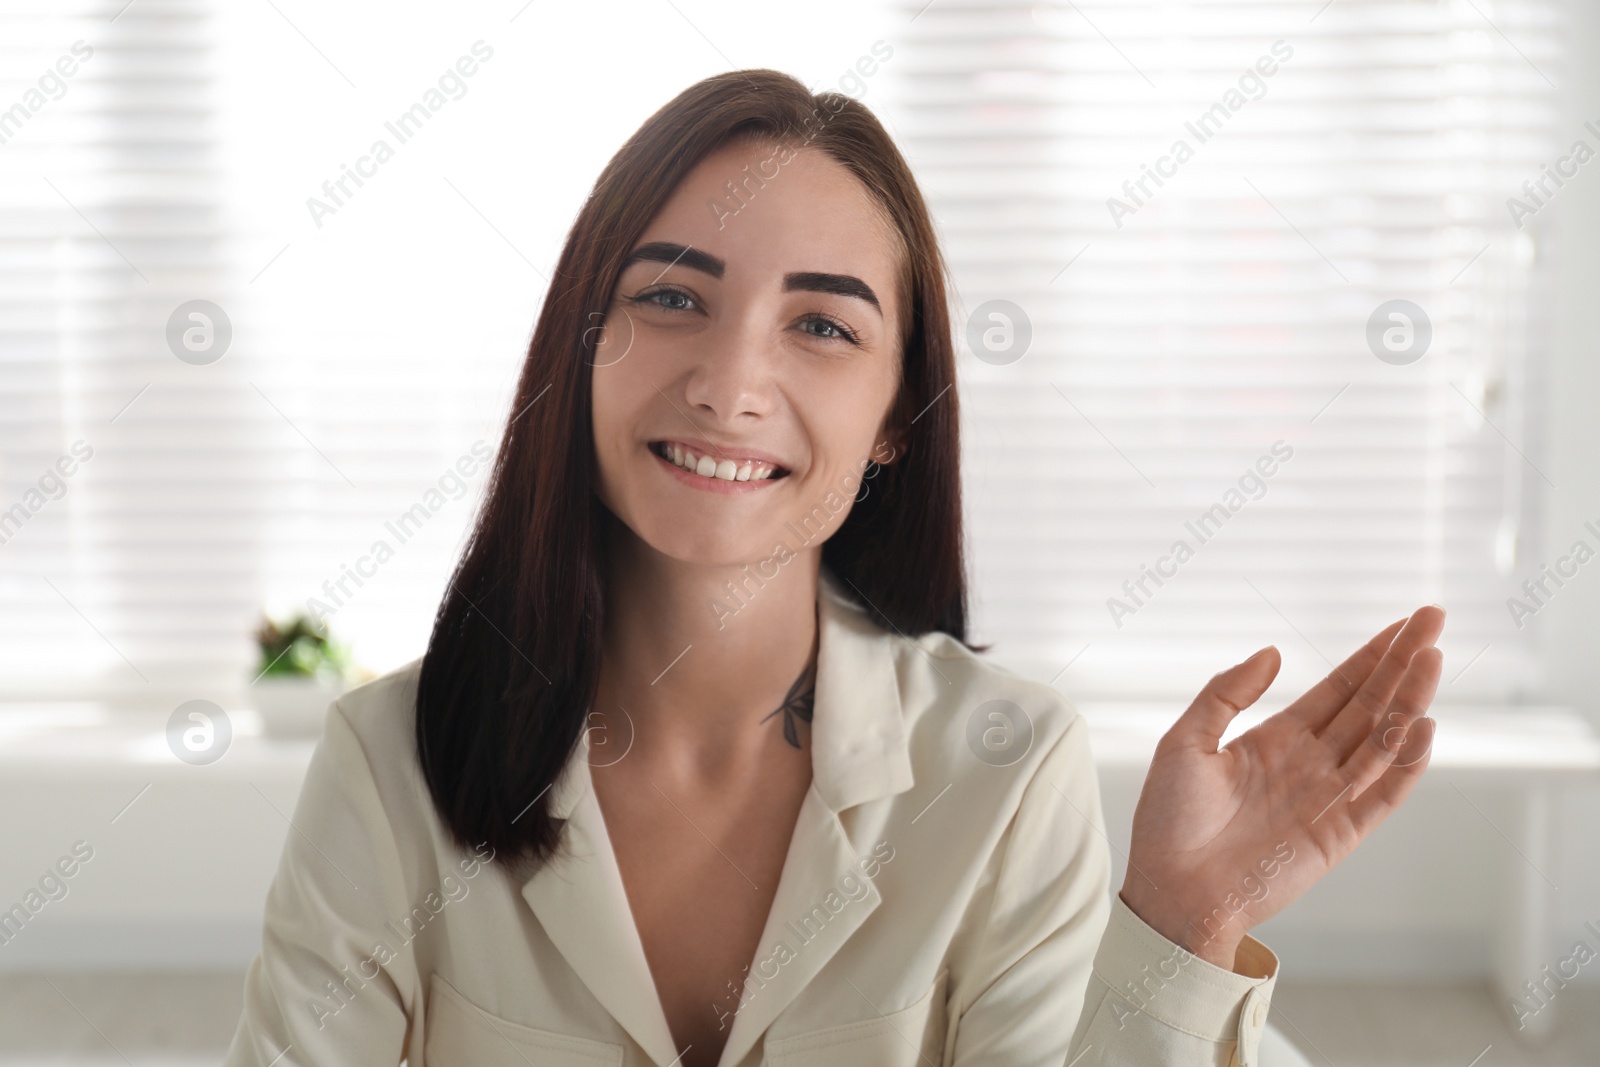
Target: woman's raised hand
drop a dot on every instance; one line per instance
(1223, 839)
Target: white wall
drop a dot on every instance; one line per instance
(181, 855)
(1572, 623)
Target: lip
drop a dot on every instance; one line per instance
(738, 455)
(714, 485)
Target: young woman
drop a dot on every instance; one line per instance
(698, 767)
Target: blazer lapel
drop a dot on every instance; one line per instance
(858, 754)
(813, 914)
(583, 907)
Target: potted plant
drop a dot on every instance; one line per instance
(302, 670)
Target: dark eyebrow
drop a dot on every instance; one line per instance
(671, 254)
(837, 284)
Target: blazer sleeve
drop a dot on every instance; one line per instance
(1059, 946)
(329, 985)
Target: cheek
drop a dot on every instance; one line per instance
(863, 411)
(846, 428)
(622, 389)
(626, 395)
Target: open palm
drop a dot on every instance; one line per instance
(1224, 838)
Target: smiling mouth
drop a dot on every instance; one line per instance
(716, 468)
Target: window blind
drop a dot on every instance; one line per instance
(109, 209)
(308, 423)
(371, 350)
(377, 303)
(1196, 208)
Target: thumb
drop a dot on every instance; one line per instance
(1227, 694)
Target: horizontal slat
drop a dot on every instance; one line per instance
(1193, 337)
(1207, 326)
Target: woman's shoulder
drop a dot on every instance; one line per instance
(952, 673)
(978, 713)
(1001, 789)
(382, 711)
(943, 686)
(370, 731)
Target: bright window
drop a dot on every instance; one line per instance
(1198, 207)
(1220, 305)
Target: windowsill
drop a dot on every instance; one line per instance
(1480, 743)
(89, 740)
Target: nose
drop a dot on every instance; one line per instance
(731, 380)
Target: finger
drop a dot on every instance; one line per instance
(1390, 745)
(1322, 701)
(1368, 811)
(1361, 712)
(1224, 696)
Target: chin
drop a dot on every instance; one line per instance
(702, 544)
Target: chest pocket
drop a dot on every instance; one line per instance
(461, 1034)
(911, 1037)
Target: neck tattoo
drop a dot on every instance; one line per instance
(797, 704)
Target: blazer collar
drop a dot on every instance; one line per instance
(858, 730)
(858, 735)
(858, 754)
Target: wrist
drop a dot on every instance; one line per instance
(1216, 946)
(1219, 952)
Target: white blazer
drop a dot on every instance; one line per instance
(945, 900)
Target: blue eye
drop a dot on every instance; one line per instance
(828, 330)
(669, 299)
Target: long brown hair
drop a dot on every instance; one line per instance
(514, 657)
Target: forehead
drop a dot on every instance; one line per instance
(765, 218)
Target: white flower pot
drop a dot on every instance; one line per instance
(293, 707)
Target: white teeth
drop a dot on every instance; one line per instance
(708, 467)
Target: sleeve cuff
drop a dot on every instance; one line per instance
(1154, 977)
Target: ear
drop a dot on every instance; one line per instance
(890, 447)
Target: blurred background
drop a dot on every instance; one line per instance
(1275, 322)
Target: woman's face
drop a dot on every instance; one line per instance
(749, 359)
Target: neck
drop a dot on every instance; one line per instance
(699, 668)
